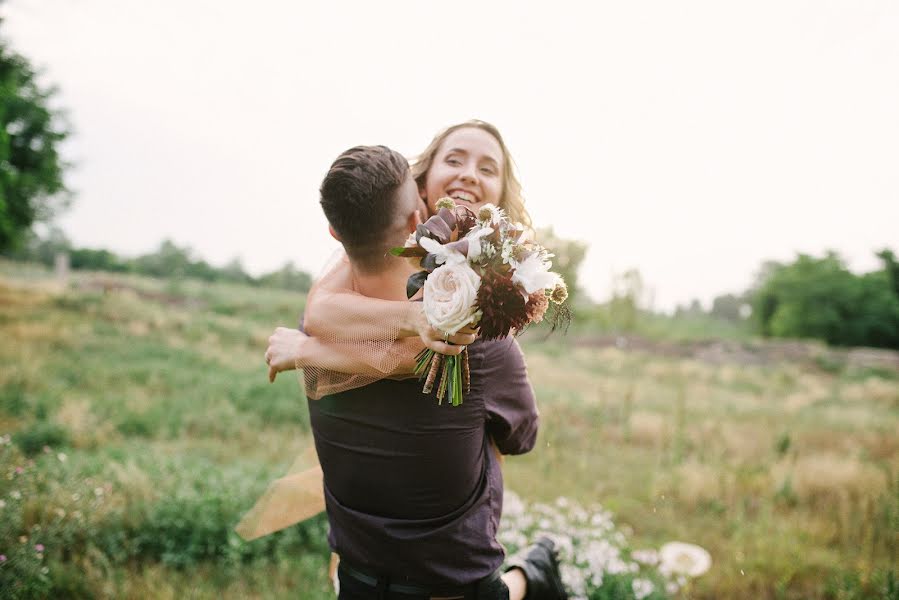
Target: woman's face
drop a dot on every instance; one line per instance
(468, 167)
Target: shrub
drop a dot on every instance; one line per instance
(32, 440)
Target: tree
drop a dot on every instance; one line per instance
(288, 277)
(820, 298)
(31, 170)
(729, 307)
(169, 261)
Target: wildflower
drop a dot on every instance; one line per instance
(642, 588)
(2, 503)
(536, 307)
(19, 470)
(475, 242)
(60, 513)
(446, 202)
(22, 539)
(512, 504)
(2, 558)
(685, 559)
(39, 547)
(573, 579)
(15, 495)
(559, 293)
(490, 214)
(46, 449)
(647, 557)
(45, 571)
(444, 253)
(62, 457)
(533, 274)
(98, 492)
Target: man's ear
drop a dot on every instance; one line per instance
(334, 234)
(413, 221)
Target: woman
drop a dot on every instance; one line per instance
(468, 162)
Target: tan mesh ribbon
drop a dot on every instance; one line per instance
(356, 344)
(288, 500)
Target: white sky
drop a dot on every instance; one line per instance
(691, 140)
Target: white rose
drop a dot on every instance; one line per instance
(450, 294)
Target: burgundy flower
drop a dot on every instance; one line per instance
(502, 306)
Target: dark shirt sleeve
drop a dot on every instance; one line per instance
(512, 416)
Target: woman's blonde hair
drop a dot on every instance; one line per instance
(510, 201)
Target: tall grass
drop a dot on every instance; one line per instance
(140, 425)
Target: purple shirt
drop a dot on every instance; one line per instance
(413, 489)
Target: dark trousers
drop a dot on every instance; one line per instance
(354, 589)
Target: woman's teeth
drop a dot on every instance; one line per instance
(464, 196)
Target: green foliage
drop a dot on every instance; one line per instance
(32, 439)
(169, 261)
(31, 170)
(12, 397)
(730, 307)
(288, 277)
(820, 298)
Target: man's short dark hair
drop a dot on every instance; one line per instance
(358, 196)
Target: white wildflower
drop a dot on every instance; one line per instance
(474, 242)
(533, 274)
(512, 504)
(642, 588)
(573, 579)
(685, 559)
(647, 557)
(490, 214)
(443, 253)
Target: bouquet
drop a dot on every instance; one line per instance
(481, 270)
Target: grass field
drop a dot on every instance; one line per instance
(139, 425)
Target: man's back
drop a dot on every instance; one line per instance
(413, 489)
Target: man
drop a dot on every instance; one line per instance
(413, 490)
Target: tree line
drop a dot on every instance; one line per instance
(169, 260)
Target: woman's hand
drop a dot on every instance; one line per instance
(436, 340)
(284, 349)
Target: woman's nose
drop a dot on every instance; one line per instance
(469, 175)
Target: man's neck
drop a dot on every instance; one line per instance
(388, 284)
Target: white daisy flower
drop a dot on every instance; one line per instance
(685, 559)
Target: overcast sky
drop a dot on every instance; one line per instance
(690, 140)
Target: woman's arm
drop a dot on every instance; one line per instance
(292, 349)
(334, 312)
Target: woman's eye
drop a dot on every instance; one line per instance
(488, 171)
(454, 161)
